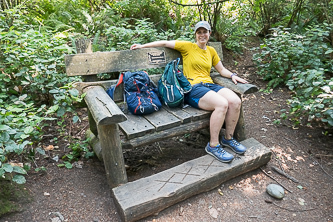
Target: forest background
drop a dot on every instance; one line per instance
(296, 52)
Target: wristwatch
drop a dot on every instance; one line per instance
(233, 74)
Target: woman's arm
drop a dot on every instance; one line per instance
(226, 73)
(168, 44)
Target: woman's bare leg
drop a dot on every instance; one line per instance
(232, 115)
(212, 101)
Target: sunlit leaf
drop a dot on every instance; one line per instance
(19, 179)
(4, 127)
(7, 167)
(20, 170)
(75, 119)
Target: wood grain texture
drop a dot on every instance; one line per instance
(102, 107)
(119, 61)
(149, 195)
(112, 154)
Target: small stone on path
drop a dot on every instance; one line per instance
(275, 191)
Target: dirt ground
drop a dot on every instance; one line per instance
(305, 153)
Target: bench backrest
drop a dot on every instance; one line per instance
(87, 64)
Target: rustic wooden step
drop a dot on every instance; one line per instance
(141, 198)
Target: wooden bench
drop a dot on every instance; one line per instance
(111, 130)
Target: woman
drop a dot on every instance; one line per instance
(198, 58)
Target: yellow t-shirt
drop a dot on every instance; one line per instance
(197, 62)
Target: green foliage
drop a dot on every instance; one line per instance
(235, 25)
(313, 96)
(33, 76)
(271, 13)
(18, 123)
(304, 64)
(122, 36)
(64, 99)
(79, 149)
(157, 11)
(296, 14)
(33, 61)
(286, 51)
(74, 16)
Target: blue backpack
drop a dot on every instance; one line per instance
(173, 85)
(140, 93)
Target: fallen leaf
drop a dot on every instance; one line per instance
(49, 147)
(231, 187)
(220, 192)
(55, 219)
(16, 164)
(300, 187)
(301, 201)
(181, 211)
(300, 158)
(213, 212)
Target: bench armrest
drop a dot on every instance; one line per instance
(103, 109)
(240, 88)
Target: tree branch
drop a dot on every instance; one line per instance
(275, 180)
(209, 3)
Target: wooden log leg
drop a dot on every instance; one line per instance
(239, 133)
(95, 144)
(92, 124)
(112, 154)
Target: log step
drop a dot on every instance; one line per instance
(144, 197)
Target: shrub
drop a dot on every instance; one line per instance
(122, 36)
(33, 78)
(303, 63)
(285, 51)
(313, 95)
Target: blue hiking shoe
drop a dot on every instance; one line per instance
(234, 145)
(219, 153)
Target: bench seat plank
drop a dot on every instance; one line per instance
(150, 195)
(184, 117)
(136, 126)
(163, 120)
(197, 114)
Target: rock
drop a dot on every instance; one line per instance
(275, 191)
(213, 213)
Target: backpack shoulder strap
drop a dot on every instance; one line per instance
(120, 79)
(112, 89)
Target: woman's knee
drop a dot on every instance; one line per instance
(235, 103)
(222, 106)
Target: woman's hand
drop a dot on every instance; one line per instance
(136, 46)
(236, 79)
